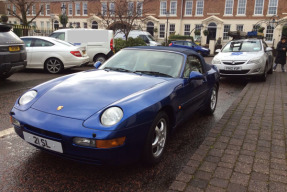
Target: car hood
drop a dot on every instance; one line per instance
(86, 93)
(238, 55)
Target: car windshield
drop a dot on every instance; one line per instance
(191, 44)
(150, 62)
(243, 46)
(150, 38)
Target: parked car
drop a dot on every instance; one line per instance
(120, 112)
(12, 52)
(52, 54)
(98, 43)
(245, 57)
(146, 36)
(191, 45)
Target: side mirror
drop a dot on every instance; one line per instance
(97, 64)
(268, 49)
(195, 75)
(217, 51)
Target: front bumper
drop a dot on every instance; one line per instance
(251, 69)
(63, 130)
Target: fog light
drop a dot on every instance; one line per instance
(256, 70)
(15, 121)
(84, 142)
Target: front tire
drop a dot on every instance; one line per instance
(101, 58)
(54, 66)
(4, 76)
(263, 77)
(156, 139)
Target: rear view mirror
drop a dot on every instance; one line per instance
(268, 49)
(97, 64)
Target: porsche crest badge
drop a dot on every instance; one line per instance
(60, 107)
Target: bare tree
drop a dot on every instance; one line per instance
(122, 15)
(22, 9)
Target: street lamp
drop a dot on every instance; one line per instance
(64, 18)
(167, 14)
(52, 19)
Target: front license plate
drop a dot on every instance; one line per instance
(14, 48)
(43, 142)
(233, 68)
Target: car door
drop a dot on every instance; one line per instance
(195, 90)
(41, 49)
(28, 44)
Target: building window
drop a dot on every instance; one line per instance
(28, 10)
(259, 4)
(225, 32)
(241, 10)
(33, 9)
(8, 9)
(197, 28)
(42, 25)
(269, 33)
(94, 25)
(239, 27)
(188, 8)
(112, 9)
(199, 7)
(70, 9)
(172, 29)
(78, 25)
(130, 8)
(139, 8)
(85, 8)
(228, 7)
(48, 25)
(173, 7)
(187, 29)
(85, 25)
(163, 8)
(42, 9)
(48, 11)
(161, 30)
(78, 9)
(14, 8)
(272, 7)
(104, 8)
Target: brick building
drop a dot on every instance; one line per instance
(184, 16)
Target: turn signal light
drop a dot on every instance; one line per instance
(170, 44)
(110, 143)
(76, 53)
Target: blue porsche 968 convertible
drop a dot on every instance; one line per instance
(123, 111)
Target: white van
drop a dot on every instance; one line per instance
(146, 36)
(99, 43)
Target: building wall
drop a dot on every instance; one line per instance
(213, 12)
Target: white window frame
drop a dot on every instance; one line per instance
(112, 9)
(171, 31)
(104, 8)
(70, 9)
(262, 8)
(239, 25)
(269, 33)
(33, 9)
(42, 25)
(225, 33)
(130, 8)
(48, 25)
(85, 8)
(197, 8)
(163, 10)
(14, 8)
(188, 9)
(77, 8)
(173, 10)
(47, 8)
(8, 6)
(185, 30)
(43, 9)
(231, 4)
(28, 11)
(139, 8)
(272, 6)
(239, 7)
(161, 31)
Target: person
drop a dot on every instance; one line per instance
(281, 54)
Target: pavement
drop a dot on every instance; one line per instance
(247, 149)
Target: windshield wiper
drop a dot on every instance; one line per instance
(117, 69)
(153, 73)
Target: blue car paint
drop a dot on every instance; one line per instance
(195, 48)
(141, 101)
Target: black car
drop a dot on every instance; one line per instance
(13, 56)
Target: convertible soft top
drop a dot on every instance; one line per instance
(176, 49)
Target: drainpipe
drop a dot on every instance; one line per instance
(180, 22)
